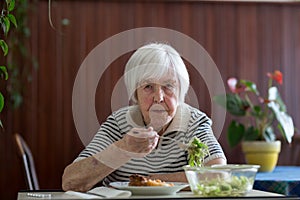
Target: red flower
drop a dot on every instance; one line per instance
(277, 76)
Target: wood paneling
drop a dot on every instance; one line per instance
(246, 40)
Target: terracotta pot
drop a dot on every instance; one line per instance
(262, 153)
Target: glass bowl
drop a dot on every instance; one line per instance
(221, 180)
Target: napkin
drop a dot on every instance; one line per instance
(99, 192)
(109, 192)
(80, 195)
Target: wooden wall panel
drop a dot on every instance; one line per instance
(244, 39)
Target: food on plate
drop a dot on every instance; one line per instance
(139, 180)
(197, 151)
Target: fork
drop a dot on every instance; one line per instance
(181, 145)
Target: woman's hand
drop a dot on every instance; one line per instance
(139, 141)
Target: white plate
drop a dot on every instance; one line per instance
(150, 190)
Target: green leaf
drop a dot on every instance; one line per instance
(6, 25)
(1, 102)
(10, 5)
(12, 19)
(235, 105)
(4, 47)
(257, 111)
(250, 86)
(3, 72)
(281, 131)
(251, 134)
(197, 151)
(235, 133)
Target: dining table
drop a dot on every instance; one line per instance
(61, 195)
(283, 180)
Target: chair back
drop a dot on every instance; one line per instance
(28, 162)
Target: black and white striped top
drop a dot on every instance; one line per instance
(167, 157)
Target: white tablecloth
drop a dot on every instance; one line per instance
(179, 195)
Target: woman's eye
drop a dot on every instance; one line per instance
(148, 87)
(169, 87)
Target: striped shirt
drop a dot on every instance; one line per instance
(187, 123)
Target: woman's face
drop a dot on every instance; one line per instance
(163, 91)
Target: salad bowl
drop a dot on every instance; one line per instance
(221, 180)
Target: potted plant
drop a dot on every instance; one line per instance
(255, 117)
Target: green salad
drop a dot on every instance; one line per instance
(197, 151)
(216, 183)
(235, 186)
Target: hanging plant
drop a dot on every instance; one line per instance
(20, 61)
(14, 45)
(6, 19)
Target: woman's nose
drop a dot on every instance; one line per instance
(158, 95)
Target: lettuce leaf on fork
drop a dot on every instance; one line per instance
(197, 151)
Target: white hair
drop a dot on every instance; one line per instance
(153, 61)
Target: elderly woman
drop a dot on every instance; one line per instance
(129, 142)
